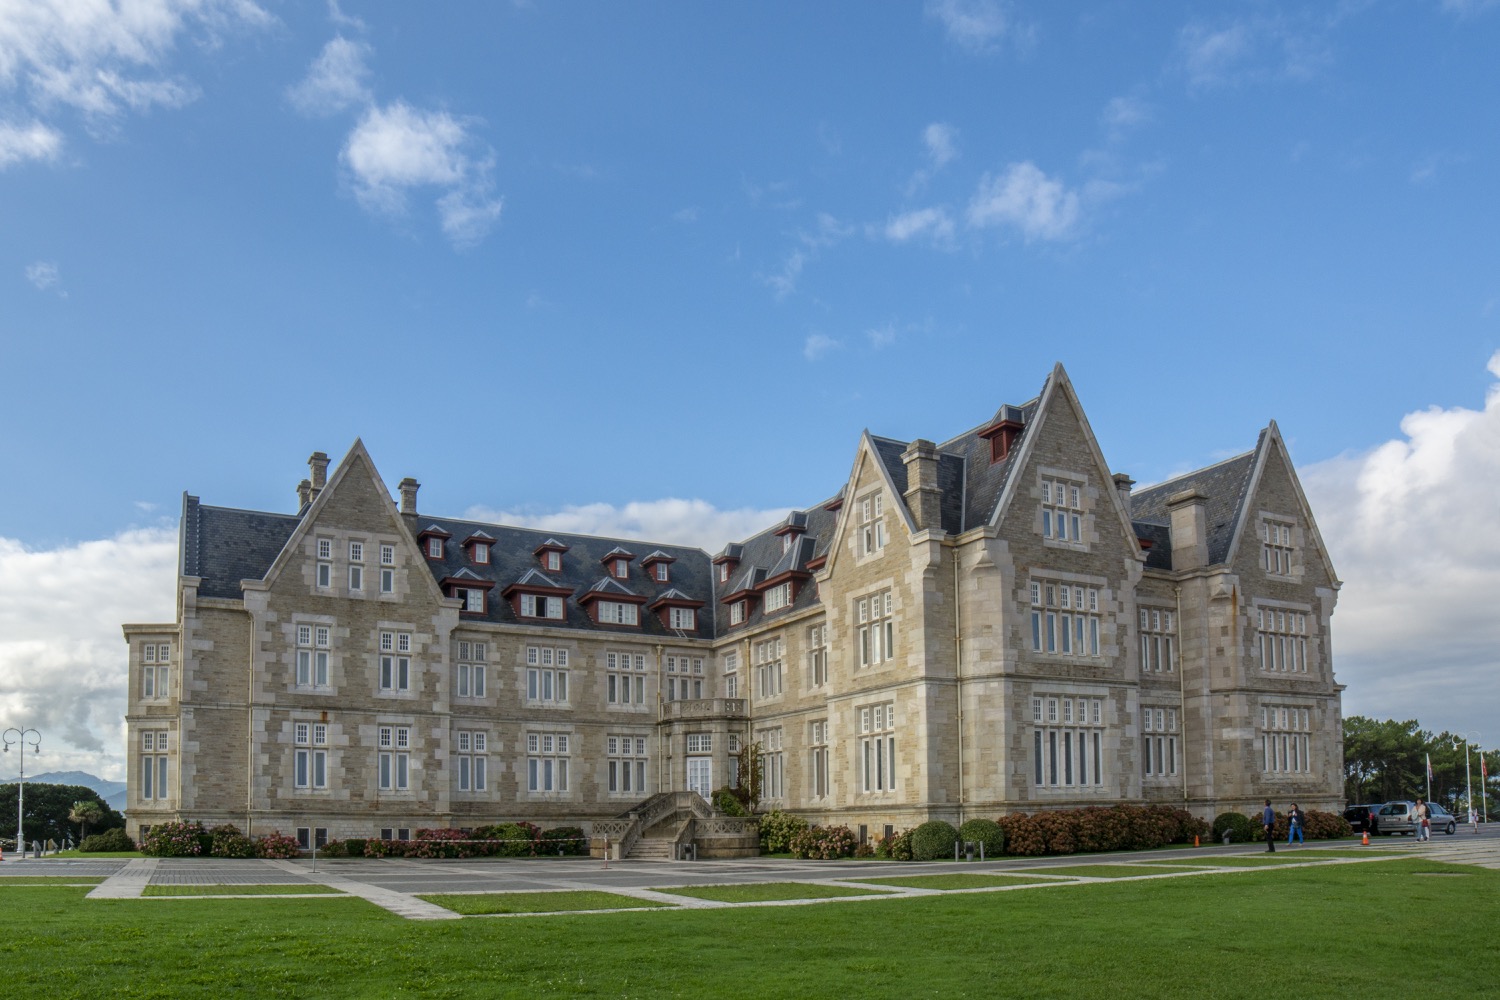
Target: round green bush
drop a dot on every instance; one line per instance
(727, 801)
(109, 840)
(1241, 828)
(933, 841)
(986, 832)
(777, 830)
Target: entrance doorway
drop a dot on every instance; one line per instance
(700, 776)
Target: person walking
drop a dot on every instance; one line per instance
(1294, 826)
(1421, 821)
(1474, 819)
(1268, 820)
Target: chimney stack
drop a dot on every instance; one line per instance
(1123, 485)
(409, 487)
(923, 497)
(304, 494)
(1189, 529)
(318, 463)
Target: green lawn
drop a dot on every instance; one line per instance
(1209, 937)
(959, 880)
(49, 880)
(478, 904)
(762, 892)
(1106, 871)
(236, 889)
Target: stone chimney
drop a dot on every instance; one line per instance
(408, 488)
(318, 463)
(1189, 529)
(923, 496)
(304, 494)
(1123, 485)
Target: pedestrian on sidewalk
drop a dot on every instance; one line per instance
(1294, 826)
(1268, 820)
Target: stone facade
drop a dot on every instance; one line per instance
(990, 624)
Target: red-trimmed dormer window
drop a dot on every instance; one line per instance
(478, 546)
(617, 563)
(723, 572)
(658, 564)
(550, 554)
(433, 540)
(737, 612)
(470, 589)
(677, 611)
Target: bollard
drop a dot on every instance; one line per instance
(981, 850)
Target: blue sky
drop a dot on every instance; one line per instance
(579, 260)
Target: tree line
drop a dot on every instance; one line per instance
(1386, 760)
(56, 811)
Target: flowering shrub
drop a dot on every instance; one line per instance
(277, 845)
(1099, 828)
(864, 851)
(896, 847)
(227, 842)
(819, 843)
(173, 840)
(777, 830)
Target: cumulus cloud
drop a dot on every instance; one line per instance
(942, 144)
(933, 223)
(1410, 528)
(672, 520)
(818, 345)
(103, 59)
(826, 231)
(1253, 50)
(396, 149)
(31, 141)
(978, 25)
(63, 664)
(1024, 198)
(881, 337)
(336, 81)
(44, 275)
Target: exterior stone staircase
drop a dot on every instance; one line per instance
(659, 828)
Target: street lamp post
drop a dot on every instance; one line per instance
(18, 737)
(1468, 737)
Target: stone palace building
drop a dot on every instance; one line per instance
(989, 624)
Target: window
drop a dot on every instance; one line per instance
(156, 669)
(817, 738)
(1067, 741)
(469, 679)
(681, 619)
(659, 570)
(877, 748)
(619, 569)
(325, 575)
(817, 656)
(154, 764)
(546, 675)
(684, 677)
(388, 555)
(325, 548)
(1064, 619)
(700, 742)
(310, 740)
(394, 758)
(481, 553)
(1062, 510)
(1157, 629)
(625, 678)
(871, 525)
(473, 598)
(737, 613)
(626, 763)
(1285, 739)
(1276, 547)
(313, 642)
(473, 764)
(723, 572)
(772, 763)
(1159, 743)
(540, 606)
(356, 578)
(731, 675)
(312, 838)
(395, 661)
(356, 551)
(434, 548)
(778, 597)
(552, 561)
(617, 613)
(547, 762)
(1283, 640)
(875, 629)
(768, 673)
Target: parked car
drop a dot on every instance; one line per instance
(1362, 818)
(1400, 817)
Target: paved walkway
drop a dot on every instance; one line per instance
(395, 883)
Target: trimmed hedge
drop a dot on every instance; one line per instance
(1099, 828)
(1241, 828)
(933, 840)
(986, 832)
(109, 840)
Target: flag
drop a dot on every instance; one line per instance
(1484, 771)
(1429, 769)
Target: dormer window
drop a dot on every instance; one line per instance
(434, 548)
(482, 554)
(432, 540)
(737, 613)
(538, 596)
(553, 561)
(658, 564)
(541, 606)
(619, 569)
(470, 589)
(723, 572)
(478, 546)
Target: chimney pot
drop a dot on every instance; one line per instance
(318, 463)
(304, 494)
(409, 487)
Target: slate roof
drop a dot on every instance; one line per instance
(223, 546)
(1225, 484)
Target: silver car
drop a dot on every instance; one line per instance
(1401, 817)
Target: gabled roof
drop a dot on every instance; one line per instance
(222, 546)
(1225, 485)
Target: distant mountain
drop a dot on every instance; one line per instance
(112, 792)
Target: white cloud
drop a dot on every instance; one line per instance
(62, 657)
(32, 141)
(104, 58)
(672, 520)
(933, 223)
(881, 337)
(817, 345)
(1410, 528)
(1025, 198)
(1255, 49)
(784, 282)
(397, 148)
(942, 144)
(1123, 113)
(336, 81)
(978, 25)
(1468, 8)
(43, 274)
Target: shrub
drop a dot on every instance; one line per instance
(1023, 835)
(565, 840)
(865, 850)
(727, 801)
(823, 843)
(517, 840)
(173, 840)
(277, 845)
(354, 847)
(777, 829)
(1325, 826)
(933, 841)
(1241, 828)
(109, 840)
(896, 847)
(227, 842)
(986, 832)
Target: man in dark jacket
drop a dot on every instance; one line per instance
(1268, 820)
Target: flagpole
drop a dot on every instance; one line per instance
(1429, 777)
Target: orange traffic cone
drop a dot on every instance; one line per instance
(1195, 840)
(1365, 840)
